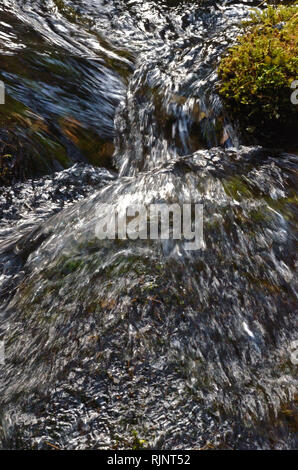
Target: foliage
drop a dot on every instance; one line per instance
(256, 74)
(138, 443)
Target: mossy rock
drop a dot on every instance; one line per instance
(257, 73)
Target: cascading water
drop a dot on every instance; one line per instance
(106, 340)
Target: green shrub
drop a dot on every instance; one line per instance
(256, 74)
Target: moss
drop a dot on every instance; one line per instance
(256, 74)
(138, 443)
(237, 188)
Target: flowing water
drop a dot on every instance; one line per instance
(112, 343)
